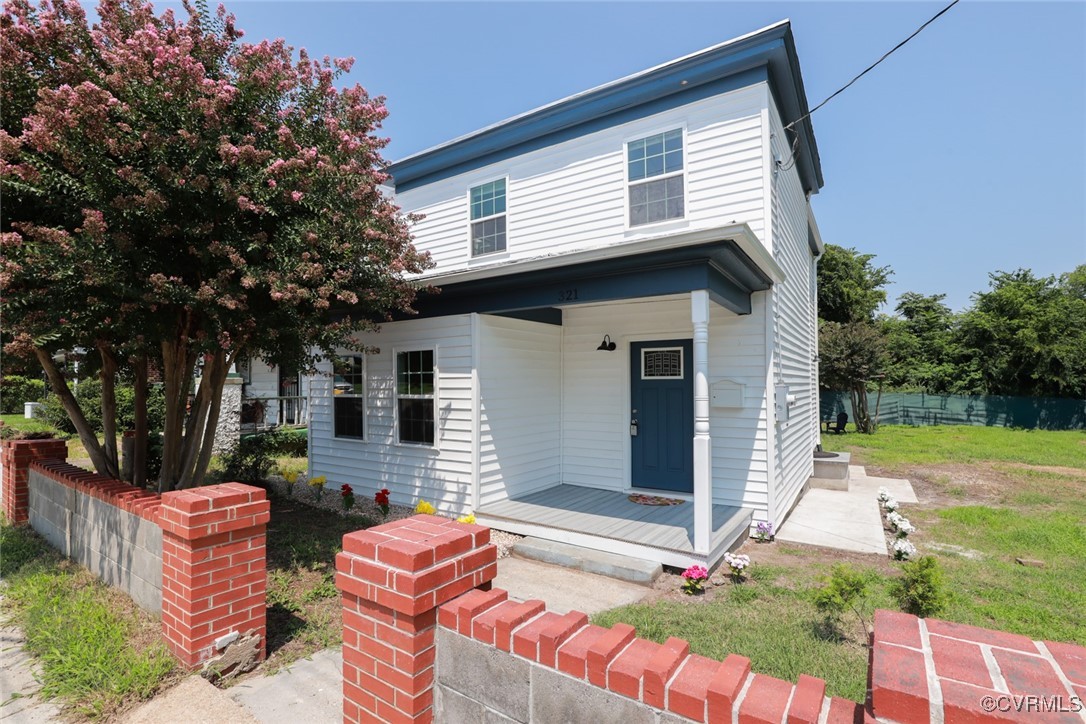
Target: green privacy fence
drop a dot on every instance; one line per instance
(920, 408)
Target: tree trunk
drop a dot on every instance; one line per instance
(71, 406)
(178, 362)
(207, 444)
(139, 444)
(209, 393)
(859, 407)
(108, 376)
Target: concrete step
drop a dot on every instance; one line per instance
(612, 565)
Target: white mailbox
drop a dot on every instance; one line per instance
(726, 393)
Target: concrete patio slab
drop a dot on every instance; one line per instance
(309, 690)
(847, 520)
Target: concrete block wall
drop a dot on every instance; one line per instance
(487, 658)
(108, 529)
(198, 555)
(530, 665)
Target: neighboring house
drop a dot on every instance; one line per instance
(627, 306)
(272, 396)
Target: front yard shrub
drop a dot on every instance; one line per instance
(921, 590)
(15, 390)
(845, 589)
(250, 460)
(89, 394)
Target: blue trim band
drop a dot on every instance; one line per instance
(767, 56)
(721, 267)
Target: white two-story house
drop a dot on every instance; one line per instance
(627, 313)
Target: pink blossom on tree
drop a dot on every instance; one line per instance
(172, 194)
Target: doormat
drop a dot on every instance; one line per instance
(654, 500)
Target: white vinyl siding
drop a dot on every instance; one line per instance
(795, 327)
(439, 474)
(595, 393)
(519, 403)
(573, 195)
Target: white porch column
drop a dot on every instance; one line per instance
(703, 464)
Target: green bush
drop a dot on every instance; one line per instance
(845, 589)
(250, 460)
(89, 395)
(921, 590)
(15, 390)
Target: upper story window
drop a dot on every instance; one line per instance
(654, 171)
(349, 402)
(488, 218)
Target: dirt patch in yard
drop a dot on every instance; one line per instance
(981, 483)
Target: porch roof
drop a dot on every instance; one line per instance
(729, 262)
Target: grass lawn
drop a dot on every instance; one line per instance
(99, 653)
(896, 446)
(987, 496)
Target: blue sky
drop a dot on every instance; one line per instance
(962, 154)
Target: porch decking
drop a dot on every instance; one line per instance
(607, 520)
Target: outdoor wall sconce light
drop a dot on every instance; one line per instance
(606, 345)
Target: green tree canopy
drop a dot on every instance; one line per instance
(921, 350)
(850, 287)
(1026, 335)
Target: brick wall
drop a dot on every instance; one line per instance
(926, 670)
(486, 657)
(196, 555)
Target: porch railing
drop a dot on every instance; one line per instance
(266, 413)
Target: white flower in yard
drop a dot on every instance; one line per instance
(903, 549)
(890, 504)
(894, 518)
(904, 527)
(884, 495)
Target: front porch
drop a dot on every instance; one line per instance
(608, 521)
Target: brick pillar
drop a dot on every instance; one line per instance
(214, 577)
(15, 458)
(392, 579)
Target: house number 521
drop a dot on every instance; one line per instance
(567, 295)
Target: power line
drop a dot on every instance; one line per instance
(870, 67)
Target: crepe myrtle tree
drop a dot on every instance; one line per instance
(173, 195)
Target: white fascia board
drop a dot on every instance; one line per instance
(741, 234)
(812, 224)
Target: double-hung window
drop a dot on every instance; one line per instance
(654, 172)
(415, 396)
(487, 204)
(349, 396)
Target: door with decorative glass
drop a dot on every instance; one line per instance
(662, 415)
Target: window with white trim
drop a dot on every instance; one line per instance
(349, 396)
(415, 396)
(487, 204)
(654, 173)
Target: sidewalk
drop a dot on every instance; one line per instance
(19, 703)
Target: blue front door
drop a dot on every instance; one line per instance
(662, 415)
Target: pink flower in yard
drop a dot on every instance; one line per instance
(296, 195)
